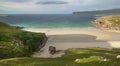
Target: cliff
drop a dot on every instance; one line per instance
(108, 22)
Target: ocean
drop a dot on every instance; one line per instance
(49, 20)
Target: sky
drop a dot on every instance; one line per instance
(54, 6)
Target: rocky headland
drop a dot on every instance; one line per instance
(108, 22)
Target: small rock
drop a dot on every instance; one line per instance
(76, 60)
(118, 56)
(105, 59)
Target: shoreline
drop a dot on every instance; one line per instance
(65, 38)
(99, 33)
(45, 30)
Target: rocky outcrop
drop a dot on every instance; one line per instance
(108, 22)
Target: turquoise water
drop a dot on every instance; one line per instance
(49, 21)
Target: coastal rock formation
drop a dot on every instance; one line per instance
(108, 22)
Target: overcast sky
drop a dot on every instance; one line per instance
(54, 6)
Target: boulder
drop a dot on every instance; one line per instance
(52, 49)
(118, 57)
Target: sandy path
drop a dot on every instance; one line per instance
(67, 38)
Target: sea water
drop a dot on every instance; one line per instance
(49, 20)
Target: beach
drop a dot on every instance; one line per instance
(65, 38)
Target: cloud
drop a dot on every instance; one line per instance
(51, 2)
(55, 6)
(15, 1)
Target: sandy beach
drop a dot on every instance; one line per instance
(65, 38)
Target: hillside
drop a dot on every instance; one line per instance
(108, 22)
(17, 43)
(72, 57)
(101, 12)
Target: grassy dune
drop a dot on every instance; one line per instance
(72, 57)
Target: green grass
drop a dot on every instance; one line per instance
(18, 43)
(72, 57)
(91, 59)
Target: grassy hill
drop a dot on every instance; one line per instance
(72, 57)
(17, 43)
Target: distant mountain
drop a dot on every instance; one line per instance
(101, 12)
(3, 15)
